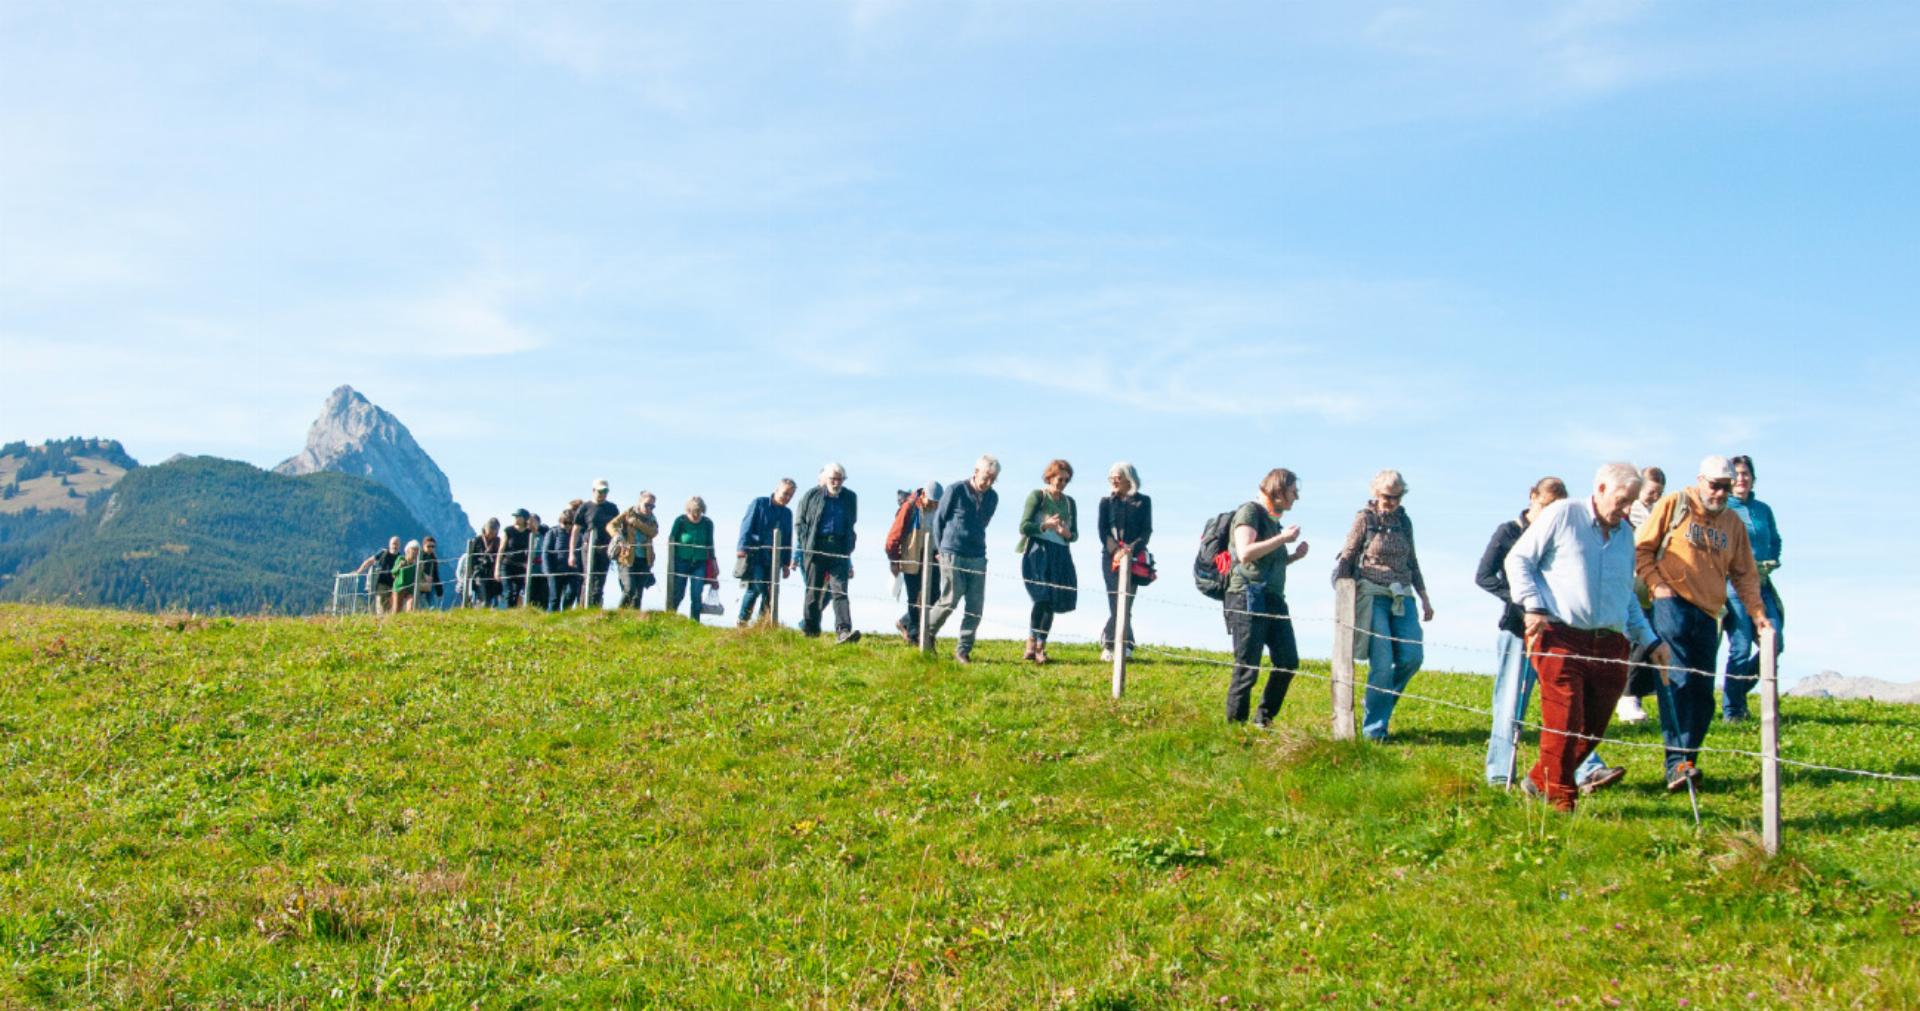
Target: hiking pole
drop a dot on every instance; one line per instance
(1694, 799)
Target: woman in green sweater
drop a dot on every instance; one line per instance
(692, 542)
(1048, 525)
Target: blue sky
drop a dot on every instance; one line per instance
(699, 246)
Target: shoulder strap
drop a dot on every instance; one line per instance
(1682, 511)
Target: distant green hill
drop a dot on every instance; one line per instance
(210, 535)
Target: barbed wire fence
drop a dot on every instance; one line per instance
(357, 593)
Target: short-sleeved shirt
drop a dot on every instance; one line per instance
(1271, 571)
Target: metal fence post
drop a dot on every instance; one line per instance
(1769, 744)
(526, 592)
(1343, 607)
(1120, 628)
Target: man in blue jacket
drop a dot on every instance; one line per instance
(1743, 645)
(960, 532)
(760, 565)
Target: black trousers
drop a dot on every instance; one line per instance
(1267, 629)
(827, 579)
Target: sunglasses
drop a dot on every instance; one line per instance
(1722, 484)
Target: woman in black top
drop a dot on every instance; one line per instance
(1126, 523)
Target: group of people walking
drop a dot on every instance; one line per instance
(1628, 585)
(1607, 598)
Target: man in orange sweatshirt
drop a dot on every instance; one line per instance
(1687, 552)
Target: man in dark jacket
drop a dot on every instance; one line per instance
(767, 515)
(823, 531)
(516, 550)
(588, 552)
(1514, 677)
(431, 588)
(961, 529)
(564, 579)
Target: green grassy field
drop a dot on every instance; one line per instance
(594, 810)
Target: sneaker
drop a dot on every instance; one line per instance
(1040, 653)
(1629, 710)
(1607, 776)
(1129, 652)
(901, 627)
(1527, 787)
(963, 657)
(1106, 656)
(1733, 718)
(1678, 776)
(850, 638)
(1028, 655)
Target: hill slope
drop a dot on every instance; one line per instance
(214, 535)
(59, 475)
(593, 810)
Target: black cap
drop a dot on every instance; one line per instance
(521, 514)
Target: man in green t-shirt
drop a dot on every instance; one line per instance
(1256, 603)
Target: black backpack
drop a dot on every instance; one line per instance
(1214, 542)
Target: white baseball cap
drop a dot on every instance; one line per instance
(1716, 468)
(600, 484)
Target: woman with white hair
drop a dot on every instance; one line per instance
(1380, 558)
(406, 568)
(691, 539)
(1126, 524)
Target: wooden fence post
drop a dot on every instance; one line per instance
(773, 579)
(1343, 622)
(1769, 744)
(926, 583)
(1125, 587)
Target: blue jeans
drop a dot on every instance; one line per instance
(686, 577)
(1390, 664)
(1512, 685)
(1743, 648)
(757, 588)
(1686, 701)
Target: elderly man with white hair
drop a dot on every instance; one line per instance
(1688, 552)
(1571, 572)
(960, 530)
(823, 532)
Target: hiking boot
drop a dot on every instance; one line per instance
(901, 626)
(1680, 775)
(1629, 710)
(1028, 655)
(1607, 776)
(1531, 790)
(850, 638)
(1040, 653)
(963, 656)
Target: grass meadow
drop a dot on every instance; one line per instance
(591, 810)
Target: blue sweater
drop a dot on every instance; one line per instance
(960, 525)
(1761, 531)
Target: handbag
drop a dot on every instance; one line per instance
(1140, 566)
(740, 567)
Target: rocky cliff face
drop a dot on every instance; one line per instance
(353, 436)
(1833, 685)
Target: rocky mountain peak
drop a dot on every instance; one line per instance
(355, 436)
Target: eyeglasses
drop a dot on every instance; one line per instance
(1721, 484)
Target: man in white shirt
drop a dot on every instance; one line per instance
(1572, 573)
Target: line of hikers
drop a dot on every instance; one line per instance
(1606, 599)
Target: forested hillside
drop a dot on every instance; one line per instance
(210, 535)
